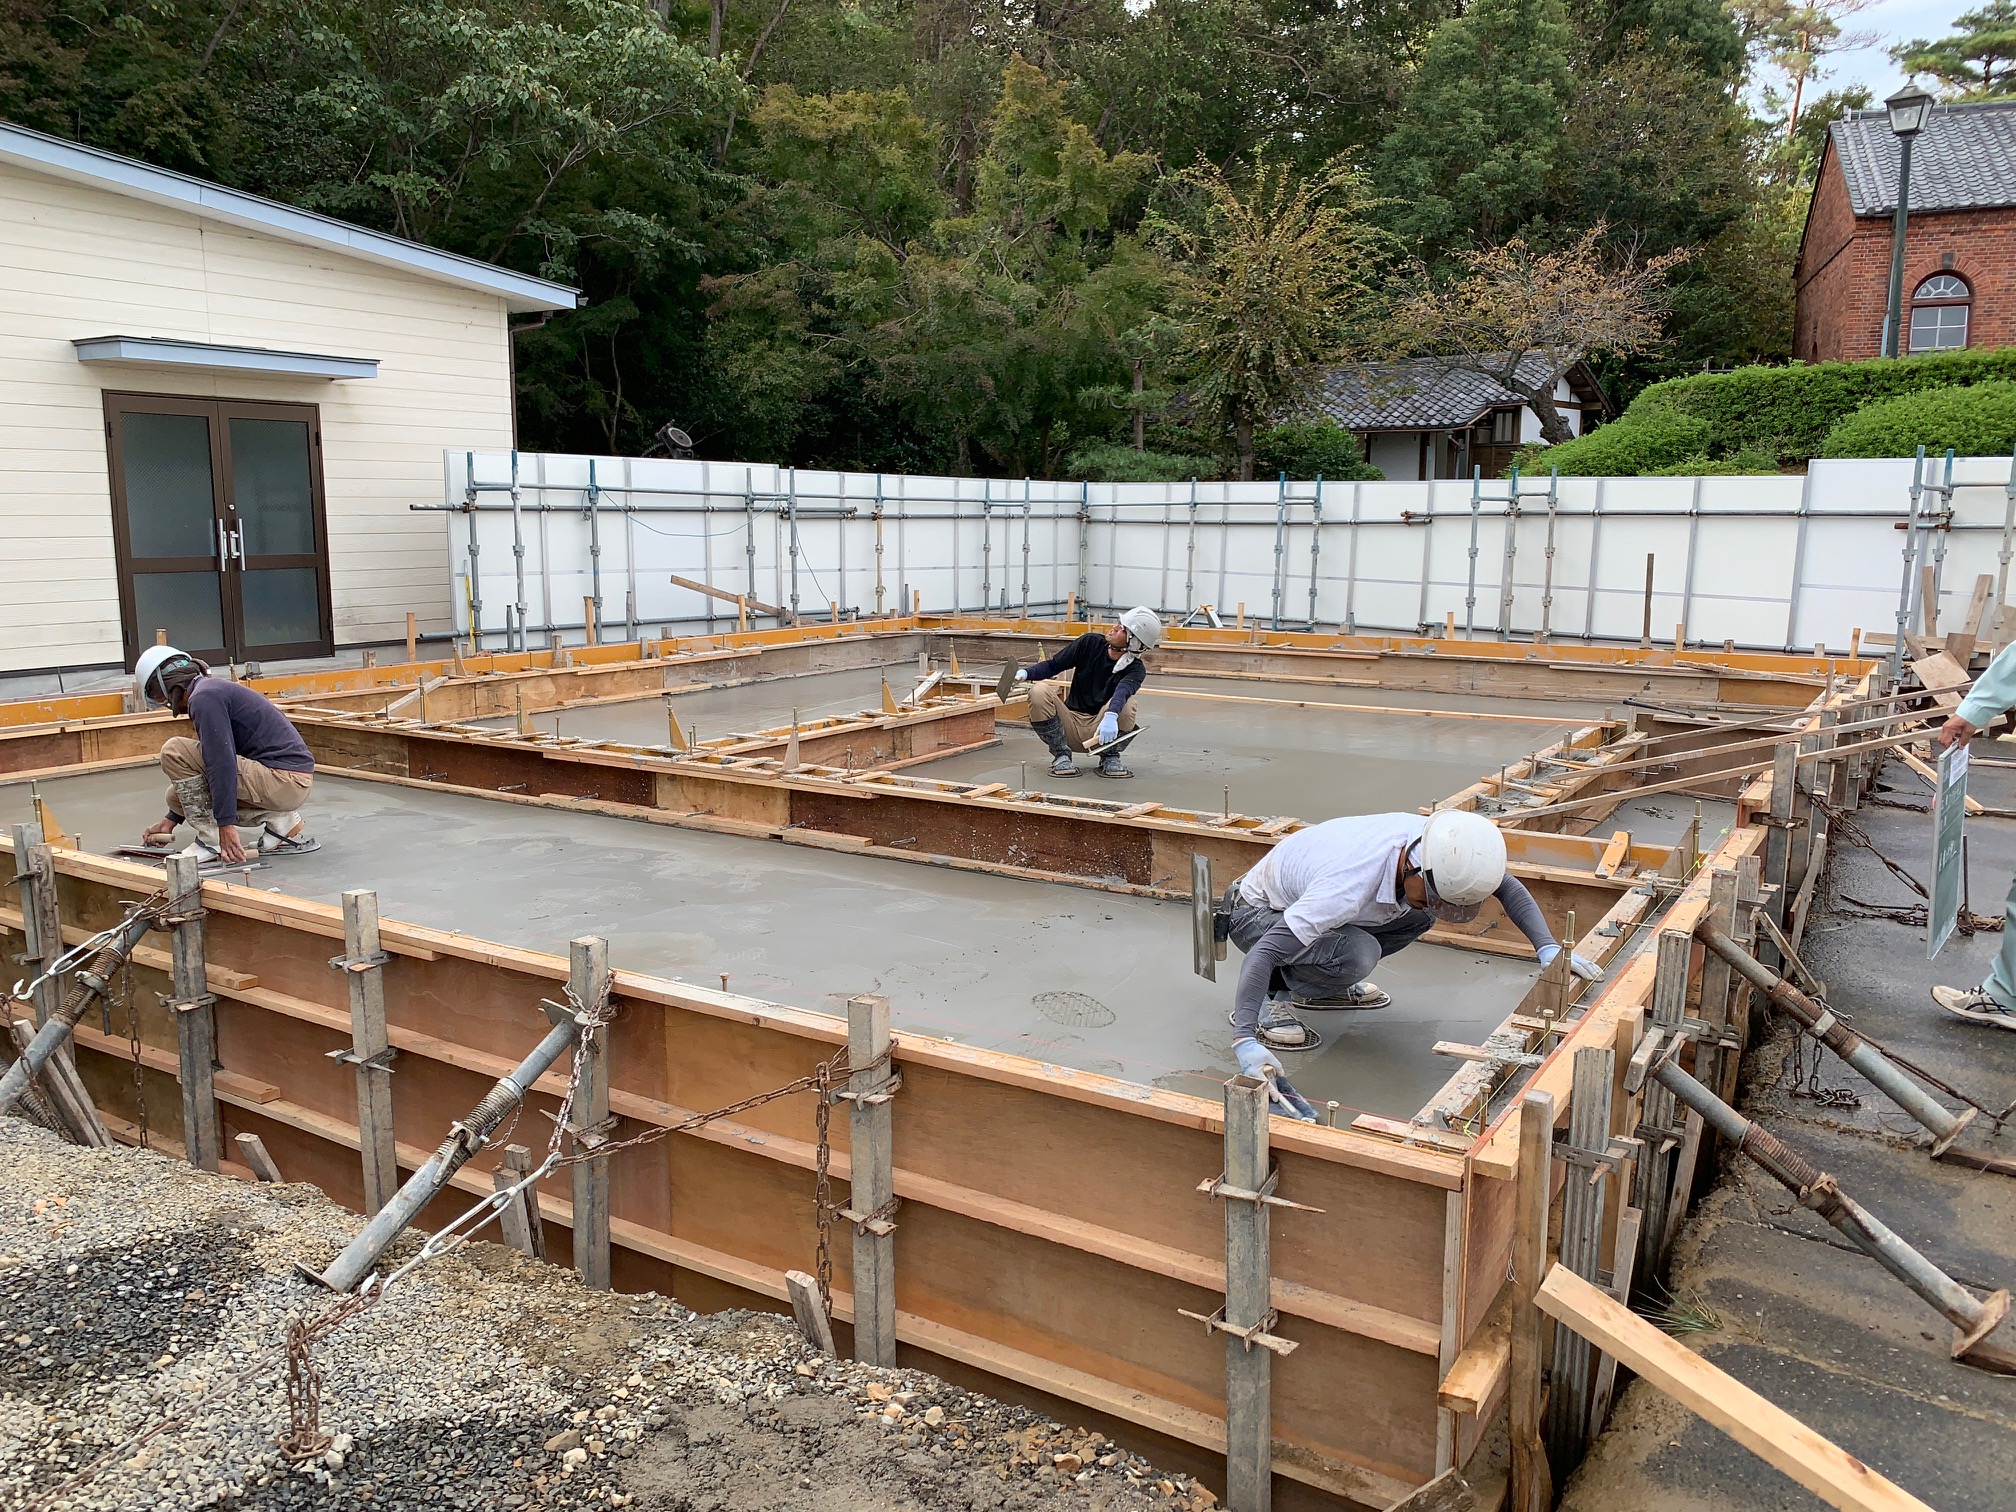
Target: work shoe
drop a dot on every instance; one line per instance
(295, 844)
(1281, 1030)
(1109, 766)
(204, 854)
(1358, 995)
(1975, 1005)
(1063, 764)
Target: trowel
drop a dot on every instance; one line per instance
(1114, 747)
(1005, 688)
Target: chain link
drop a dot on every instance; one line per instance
(133, 1041)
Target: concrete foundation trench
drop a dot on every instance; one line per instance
(827, 858)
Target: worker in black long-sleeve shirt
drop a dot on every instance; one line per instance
(1096, 707)
(246, 767)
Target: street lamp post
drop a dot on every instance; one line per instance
(1909, 109)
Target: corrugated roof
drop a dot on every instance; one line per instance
(521, 292)
(1964, 159)
(1421, 393)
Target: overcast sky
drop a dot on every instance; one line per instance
(1894, 21)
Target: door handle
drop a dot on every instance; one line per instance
(223, 546)
(238, 546)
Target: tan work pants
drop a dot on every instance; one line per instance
(1046, 701)
(262, 790)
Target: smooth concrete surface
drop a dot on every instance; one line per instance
(1063, 974)
(1251, 737)
(1794, 1311)
(1277, 758)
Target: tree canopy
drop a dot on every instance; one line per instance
(1100, 235)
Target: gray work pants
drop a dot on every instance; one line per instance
(2001, 983)
(1332, 962)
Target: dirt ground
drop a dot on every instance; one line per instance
(143, 1309)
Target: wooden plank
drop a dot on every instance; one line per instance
(253, 1148)
(1614, 854)
(755, 606)
(1758, 1424)
(1479, 1372)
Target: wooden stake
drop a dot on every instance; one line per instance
(160, 637)
(524, 719)
(1449, 625)
(916, 600)
(889, 704)
(1628, 1224)
(195, 1013)
(252, 1150)
(592, 632)
(371, 658)
(1761, 1426)
(1928, 601)
(519, 1220)
(742, 614)
(812, 1320)
(412, 636)
(363, 967)
(1855, 643)
(1645, 636)
(833, 607)
(1532, 1480)
(1680, 636)
(588, 972)
(1249, 1371)
(1242, 618)
(678, 736)
(1070, 608)
(871, 1134)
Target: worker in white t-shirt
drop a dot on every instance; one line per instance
(1328, 903)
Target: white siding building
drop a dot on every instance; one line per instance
(215, 410)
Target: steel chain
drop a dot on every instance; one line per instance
(133, 1041)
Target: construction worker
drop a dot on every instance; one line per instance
(1094, 709)
(245, 768)
(1330, 902)
(1994, 1001)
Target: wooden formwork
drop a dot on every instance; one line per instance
(1051, 1226)
(1052, 1233)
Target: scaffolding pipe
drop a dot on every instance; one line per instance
(1476, 516)
(1818, 1020)
(465, 1138)
(592, 508)
(90, 986)
(1315, 544)
(1973, 1319)
(518, 548)
(1547, 576)
(1280, 544)
(1910, 555)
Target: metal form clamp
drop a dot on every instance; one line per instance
(1261, 1333)
(189, 1005)
(1218, 1186)
(382, 1061)
(884, 1092)
(358, 963)
(878, 1223)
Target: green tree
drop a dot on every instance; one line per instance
(1272, 276)
(1977, 61)
(1481, 138)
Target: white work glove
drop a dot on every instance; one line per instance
(1257, 1061)
(1021, 674)
(1582, 966)
(1109, 727)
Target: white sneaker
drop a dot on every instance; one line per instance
(1975, 1005)
(204, 854)
(1279, 1029)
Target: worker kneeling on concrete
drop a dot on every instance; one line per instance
(1095, 709)
(1327, 904)
(246, 768)
(1994, 1001)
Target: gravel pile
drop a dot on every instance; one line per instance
(136, 1292)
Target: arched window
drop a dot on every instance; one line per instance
(1939, 313)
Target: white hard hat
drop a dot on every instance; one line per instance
(1143, 627)
(152, 663)
(1462, 858)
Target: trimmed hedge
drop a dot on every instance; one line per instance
(1112, 463)
(1976, 421)
(1784, 413)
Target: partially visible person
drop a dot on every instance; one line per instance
(1993, 1003)
(1095, 708)
(246, 768)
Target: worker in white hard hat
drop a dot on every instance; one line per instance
(1327, 904)
(1095, 708)
(245, 769)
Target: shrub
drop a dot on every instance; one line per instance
(1977, 421)
(1311, 449)
(1634, 444)
(1778, 414)
(1109, 463)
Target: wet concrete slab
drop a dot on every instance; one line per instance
(1068, 975)
(1279, 751)
(1790, 1307)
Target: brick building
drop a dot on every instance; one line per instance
(1959, 248)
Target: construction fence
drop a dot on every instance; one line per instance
(1765, 563)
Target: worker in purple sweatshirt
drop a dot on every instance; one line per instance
(246, 768)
